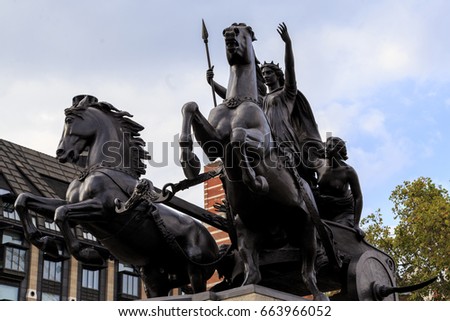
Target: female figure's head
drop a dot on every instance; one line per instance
(336, 148)
(272, 73)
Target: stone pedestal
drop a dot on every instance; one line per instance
(245, 293)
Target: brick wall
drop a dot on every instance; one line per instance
(214, 193)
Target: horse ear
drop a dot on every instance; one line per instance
(83, 100)
(250, 30)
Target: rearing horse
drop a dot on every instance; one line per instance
(170, 249)
(267, 197)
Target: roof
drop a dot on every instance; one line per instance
(26, 170)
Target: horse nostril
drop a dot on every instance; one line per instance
(230, 35)
(59, 152)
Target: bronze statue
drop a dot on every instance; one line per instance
(339, 196)
(169, 248)
(266, 178)
(257, 184)
(289, 113)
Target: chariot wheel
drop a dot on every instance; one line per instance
(368, 277)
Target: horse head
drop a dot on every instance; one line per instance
(238, 42)
(78, 129)
(109, 135)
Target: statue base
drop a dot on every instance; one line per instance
(251, 292)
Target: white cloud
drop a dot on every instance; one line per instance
(381, 161)
(372, 122)
(351, 120)
(394, 59)
(337, 119)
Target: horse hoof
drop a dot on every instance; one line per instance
(35, 238)
(191, 166)
(49, 247)
(259, 185)
(90, 256)
(262, 184)
(321, 297)
(251, 276)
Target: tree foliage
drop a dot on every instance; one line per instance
(420, 243)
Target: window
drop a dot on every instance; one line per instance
(13, 254)
(51, 285)
(128, 281)
(52, 271)
(8, 292)
(9, 212)
(89, 236)
(14, 259)
(11, 237)
(50, 297)
(130, 285)
(90, 279)
(126, 267)
(90, 285)
(51, 226)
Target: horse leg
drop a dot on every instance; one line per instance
(205, 134)
(86, 211)
(196, 273)
(155, 280)
(189, 161)
(43, 206)
(308, 250)
(197, 278)
(248, 246)
(245, 147)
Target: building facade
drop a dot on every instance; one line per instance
(28, 274)
(214, 195)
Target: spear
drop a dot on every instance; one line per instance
(205, 40)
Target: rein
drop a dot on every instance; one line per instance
(167, 194)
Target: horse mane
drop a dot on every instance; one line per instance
(128, 127)
(260, 83)
(131, 130)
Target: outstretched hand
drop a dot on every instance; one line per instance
(283, 32)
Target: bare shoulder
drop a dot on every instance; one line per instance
(351, 174)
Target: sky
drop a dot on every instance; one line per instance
(376, 73)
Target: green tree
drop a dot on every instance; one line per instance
(420, 243)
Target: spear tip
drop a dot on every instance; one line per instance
(204, 31)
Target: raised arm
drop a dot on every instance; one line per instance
(290, 84)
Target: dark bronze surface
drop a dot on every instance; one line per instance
(170, 249)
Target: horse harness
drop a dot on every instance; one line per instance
(234, 102)
(144, 193)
